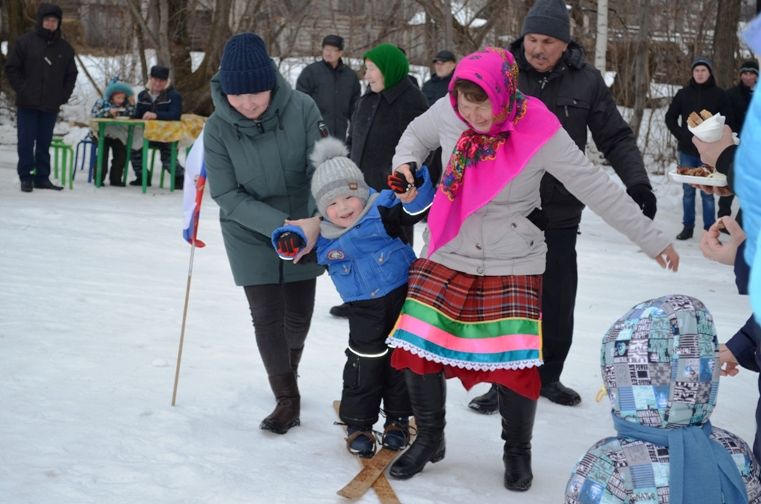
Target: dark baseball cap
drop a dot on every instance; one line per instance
(333, 40)
(445, 55)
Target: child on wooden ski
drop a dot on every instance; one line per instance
(367, 256)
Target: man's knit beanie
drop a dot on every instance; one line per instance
(548, 17)
(246, 67)
(335, 174)
(391, 62)
(749, 66)
(702, 60)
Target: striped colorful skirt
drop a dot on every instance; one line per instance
(476, 328)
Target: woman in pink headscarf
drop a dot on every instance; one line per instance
(473, 310)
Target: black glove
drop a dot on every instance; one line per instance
(399, 184)
(289, 244)
(644, 197)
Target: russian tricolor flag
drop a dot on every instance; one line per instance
(195, 182)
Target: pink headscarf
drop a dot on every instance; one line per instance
(483, 164)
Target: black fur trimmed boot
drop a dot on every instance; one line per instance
(427, 397)
(518, 415)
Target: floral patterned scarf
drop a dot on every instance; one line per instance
(482, 164)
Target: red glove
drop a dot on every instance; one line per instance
(399, 184)
(289, 244)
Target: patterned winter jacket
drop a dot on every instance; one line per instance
(103, 106)
(660, 369)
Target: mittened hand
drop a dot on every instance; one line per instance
(289, 244)
(398, 183)
(644, 197)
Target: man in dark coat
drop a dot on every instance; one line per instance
(162, 102)
(552, 68)
(333, 86)
(42, 72)
(739, 100)
(700, 93)
(434, 88)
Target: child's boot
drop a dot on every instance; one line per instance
(360, 441)
(396, 433)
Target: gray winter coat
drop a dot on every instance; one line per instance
(259, 174)
(498, 239)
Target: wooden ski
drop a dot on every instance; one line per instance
(371, 476)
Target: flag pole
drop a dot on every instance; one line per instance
(184, 320)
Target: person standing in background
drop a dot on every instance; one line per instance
(739, 99)
(41, 70)
(700, 93)
(333, 86)
(434, 88)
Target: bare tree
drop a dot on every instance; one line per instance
(641, 67)
(725, 43)
(19, 18)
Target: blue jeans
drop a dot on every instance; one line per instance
(35, 132)
(688, 199)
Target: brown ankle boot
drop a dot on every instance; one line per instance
(286, 414)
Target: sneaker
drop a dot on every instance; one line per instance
(560, 394)
(361, 441)
(341, 310)
(396, 433)
(47, 184)
(686, 233)
(27, 185)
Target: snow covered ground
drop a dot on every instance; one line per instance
(91, 294)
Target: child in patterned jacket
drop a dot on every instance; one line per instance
(368, 258)
(660, 366)
(118, 101)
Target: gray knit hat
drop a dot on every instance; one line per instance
(702, 60)
(335, 174)
(548, 17)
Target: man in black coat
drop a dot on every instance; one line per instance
(41, 70)
(159, 101)
(333, 86)
(739, 100)
(434, 88)
(552, 68)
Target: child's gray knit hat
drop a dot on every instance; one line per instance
(335, 174)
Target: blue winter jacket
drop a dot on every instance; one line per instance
(370, 259)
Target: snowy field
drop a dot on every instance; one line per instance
(91, 294)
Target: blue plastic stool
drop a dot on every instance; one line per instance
(93, 143)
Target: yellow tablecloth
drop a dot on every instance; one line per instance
(185, 131)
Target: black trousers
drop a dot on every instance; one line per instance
(368, 376)
(281, 314)
(725, 205)
(559, 286)
(119, 158)
(165, 152)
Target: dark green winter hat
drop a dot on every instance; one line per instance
(391, 61)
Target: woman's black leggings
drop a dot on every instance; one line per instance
(281, 314)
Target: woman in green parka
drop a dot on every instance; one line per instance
(257, 146)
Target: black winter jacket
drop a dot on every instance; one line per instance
(576, 93)
(695, 97)
(739, 100)
(436, 87)
(41, 67)
(378, 124)
(167, 106)
(334, 90)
